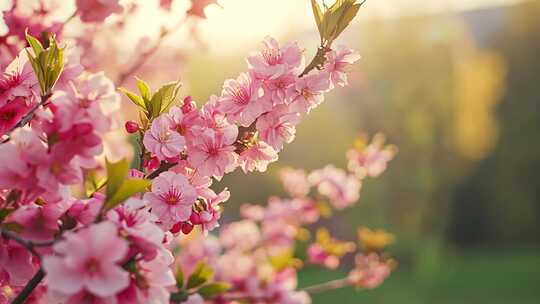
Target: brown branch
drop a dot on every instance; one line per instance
(327, 286)
(29, 287)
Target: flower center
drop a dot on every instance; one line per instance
(272, 56)
(7, 116)
(241, 96)
(92, 266)
(172, 197)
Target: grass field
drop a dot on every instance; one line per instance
(474, 278)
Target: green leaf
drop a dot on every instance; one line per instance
(144, 89)
(127, 189)
(163, 98)
(137, 100)
(93, 183)
(200, 276)
(347, 18)
(34, 43)
(211, 290)
(179, 277)
(179, 297)
(318, 15)
(116, 175)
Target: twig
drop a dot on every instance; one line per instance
(327, 286)
(26, 118)
(123, 76)
(30, 245)
(29, 287)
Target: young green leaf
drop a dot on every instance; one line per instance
(34, 43)
(318, 15)
(126, 190)
(144, 89)
(116, 174)
(164, 98)
(200, 276)
(211, 290)
(137, 100)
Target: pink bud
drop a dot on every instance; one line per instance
(187, 228)
(132, 127)
(151, 164)
(177, 227)
(195, 218)
(188, 105)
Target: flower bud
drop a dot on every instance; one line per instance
(195, 218)
(188, 105)
(132, 127)
(187, 228)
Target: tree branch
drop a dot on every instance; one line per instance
(29, 287)
(327, 286)
(26, 118)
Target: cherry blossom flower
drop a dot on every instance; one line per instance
(337, 63)
(295, 182)
(273, 61)
(341, 189)
(370, 160)
(370, 271)
(308, 91)
(257, 157)
(171, 199)
(241, 100)
(162, 141)
(88, 260)
(11, 113)
(18, 80)
(212, 154)
(278, 126)
(97, 10)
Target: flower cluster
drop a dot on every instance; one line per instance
(77, 229)
(257, 255)
(246, 126)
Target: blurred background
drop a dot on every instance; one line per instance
(454, 84)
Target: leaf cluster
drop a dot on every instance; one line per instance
(47, 63)
(198, 283)
(332, 21)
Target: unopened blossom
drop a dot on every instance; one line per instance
(171, 199)
(257, 157)
(97, 10)
(337, 63)
(295, 182)
(308, 91)
(162, 141)
(241, 100)
(212, 153)
(341, 189)
(278, 126)
(89, 260)
(370, 271)
(274, 61)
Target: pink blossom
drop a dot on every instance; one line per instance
(240, 235)
(212, 154)
(185, 123)
(88, 260)
(279, 89)
(370, 160)
(278, 126)
(86, 211)
(97, 10)
(91, 99)
(295, 182)
(209, 217)
(257, 157)
(58, 169)
(171, 199)
(162, 141)
(308, 92)
(241, 100)
(18, 80)
(11, 113)
(18, 262)
(370, 271)
(317, 255)
(273, 61)
(341, 189)
(337, 63)
(216, 120)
